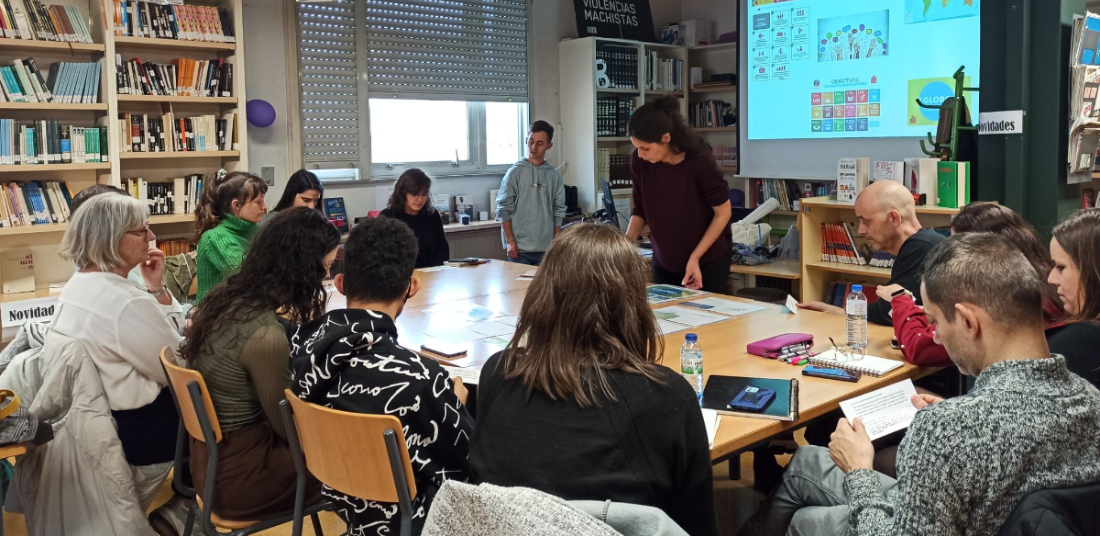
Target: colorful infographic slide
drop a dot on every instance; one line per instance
(831, 69)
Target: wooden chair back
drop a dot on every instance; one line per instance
(347, 451)
(193, 290)
(178, 378)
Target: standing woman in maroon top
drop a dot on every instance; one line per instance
(681, 195)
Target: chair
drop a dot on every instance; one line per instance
(361, 455)
(198, 419)
(1062, 512)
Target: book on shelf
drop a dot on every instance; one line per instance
(663, 74)
(183, 77)
(17, 270)
(725, 155)
(889, 171)
(836, 293)
(852, 176)
(168, 133)
(32, 20)
(952, 184)
(712, 113)
(613, 168)
(787, 192)
(337, 213)
(46, 141)
(620, 67)
(1088, 198)
(612, 115)
(176, 246)
(838, 244)
(175, 196)
(65, 82)
(34, 203)
(173, 21)
(920, 178)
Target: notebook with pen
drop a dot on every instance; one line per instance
(721, 391)
(869, 364)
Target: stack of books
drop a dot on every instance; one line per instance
(34, 203)
(183, 77)
(191, 23)
(163, 198)
(612, 115)
(622, 65)
(29, 19)
(613, 168)
(712, 113)
(45, 141)
(168, 133)
(23, 81)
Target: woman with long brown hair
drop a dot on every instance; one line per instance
(1075, 248)
(227, 214)
(578, 404)
(411, 204)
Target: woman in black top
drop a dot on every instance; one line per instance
(1076, 252)
(409, 203)
(578, 405)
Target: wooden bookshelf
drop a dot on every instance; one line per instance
(34, 229)
(40, 168)
(125, 43)
(714, 89)
(172, 218)
(43, 292)
(661, 92)
(818, 274)
(727, 169)
(55, 106)
(714, 129)
(49, 46)
(178, 99)
(619, 91)
(168, 155)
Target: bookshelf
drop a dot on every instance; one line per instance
(718, 59)
(98, 15)
(816, 273)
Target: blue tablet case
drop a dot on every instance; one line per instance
(720, 390)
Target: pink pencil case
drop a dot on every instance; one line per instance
(773, 346)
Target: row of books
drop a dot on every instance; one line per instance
(176, 246)
(837, 293)
(66, 82)
(712, 113)
(183, 77)
(169, 133)
(838, 244)
(613, 168)
(612, 115)
(620, 66)
(189, 23)
(663, 74)
(176, 197)
(34, 203)
(725, 155)
(46, 141)
(31, 20)
(786, 191)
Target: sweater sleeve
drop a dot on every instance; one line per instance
(506, 197)
(915, 334)
(442, 248)
(266, 358)
(559, 200)
(713, 187)
(438, 433)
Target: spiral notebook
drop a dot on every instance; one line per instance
(875, 366)
(721, 390)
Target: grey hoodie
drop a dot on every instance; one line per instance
(533, 199)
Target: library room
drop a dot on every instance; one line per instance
(549, 267)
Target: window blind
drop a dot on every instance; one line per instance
(328, 81)
(460, 49)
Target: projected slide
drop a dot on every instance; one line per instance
(854, 68)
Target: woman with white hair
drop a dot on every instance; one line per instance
(121, 326)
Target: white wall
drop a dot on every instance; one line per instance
(265, 59)
(721, 13)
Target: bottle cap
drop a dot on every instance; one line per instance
(691, 337)
(857, 288)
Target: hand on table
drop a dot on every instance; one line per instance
(152, 270)
(513, 250)
(693, 276)
(821, 307)
(850, 447)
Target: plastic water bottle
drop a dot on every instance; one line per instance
(691, 363)
(856, 309)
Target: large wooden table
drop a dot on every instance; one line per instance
(494, 286)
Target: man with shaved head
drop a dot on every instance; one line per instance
(888, 220)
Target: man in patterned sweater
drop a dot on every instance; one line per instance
(349, 360)
(965, 463)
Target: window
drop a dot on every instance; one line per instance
(438, 84)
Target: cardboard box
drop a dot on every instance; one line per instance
(696, 32)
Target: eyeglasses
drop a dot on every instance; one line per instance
(141, 232)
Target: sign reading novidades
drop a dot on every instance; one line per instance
(618, 19)
(1010, 122)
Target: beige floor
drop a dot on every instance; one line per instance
(734, 501)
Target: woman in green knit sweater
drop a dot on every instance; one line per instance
(226, 217)
(238, 344)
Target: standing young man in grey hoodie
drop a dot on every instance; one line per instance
(531, 201)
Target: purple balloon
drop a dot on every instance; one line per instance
(260, 113)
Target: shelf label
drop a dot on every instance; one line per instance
(17, 313)
(1001, 123)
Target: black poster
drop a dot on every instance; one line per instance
(618, 19)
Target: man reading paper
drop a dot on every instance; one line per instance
(965, 463)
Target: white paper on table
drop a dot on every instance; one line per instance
(463, 312)
(436, 269)
(883, 411)
(469, 375)
(710, 419)
(529, 273)
(726, 307)
(510, 320)
(492, 329)
(688, 316)
(792, 305)
(457, 335)
(669, 327)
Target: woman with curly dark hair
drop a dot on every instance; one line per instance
(238, 344)
(410, 203)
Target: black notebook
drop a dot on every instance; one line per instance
(721, 390)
